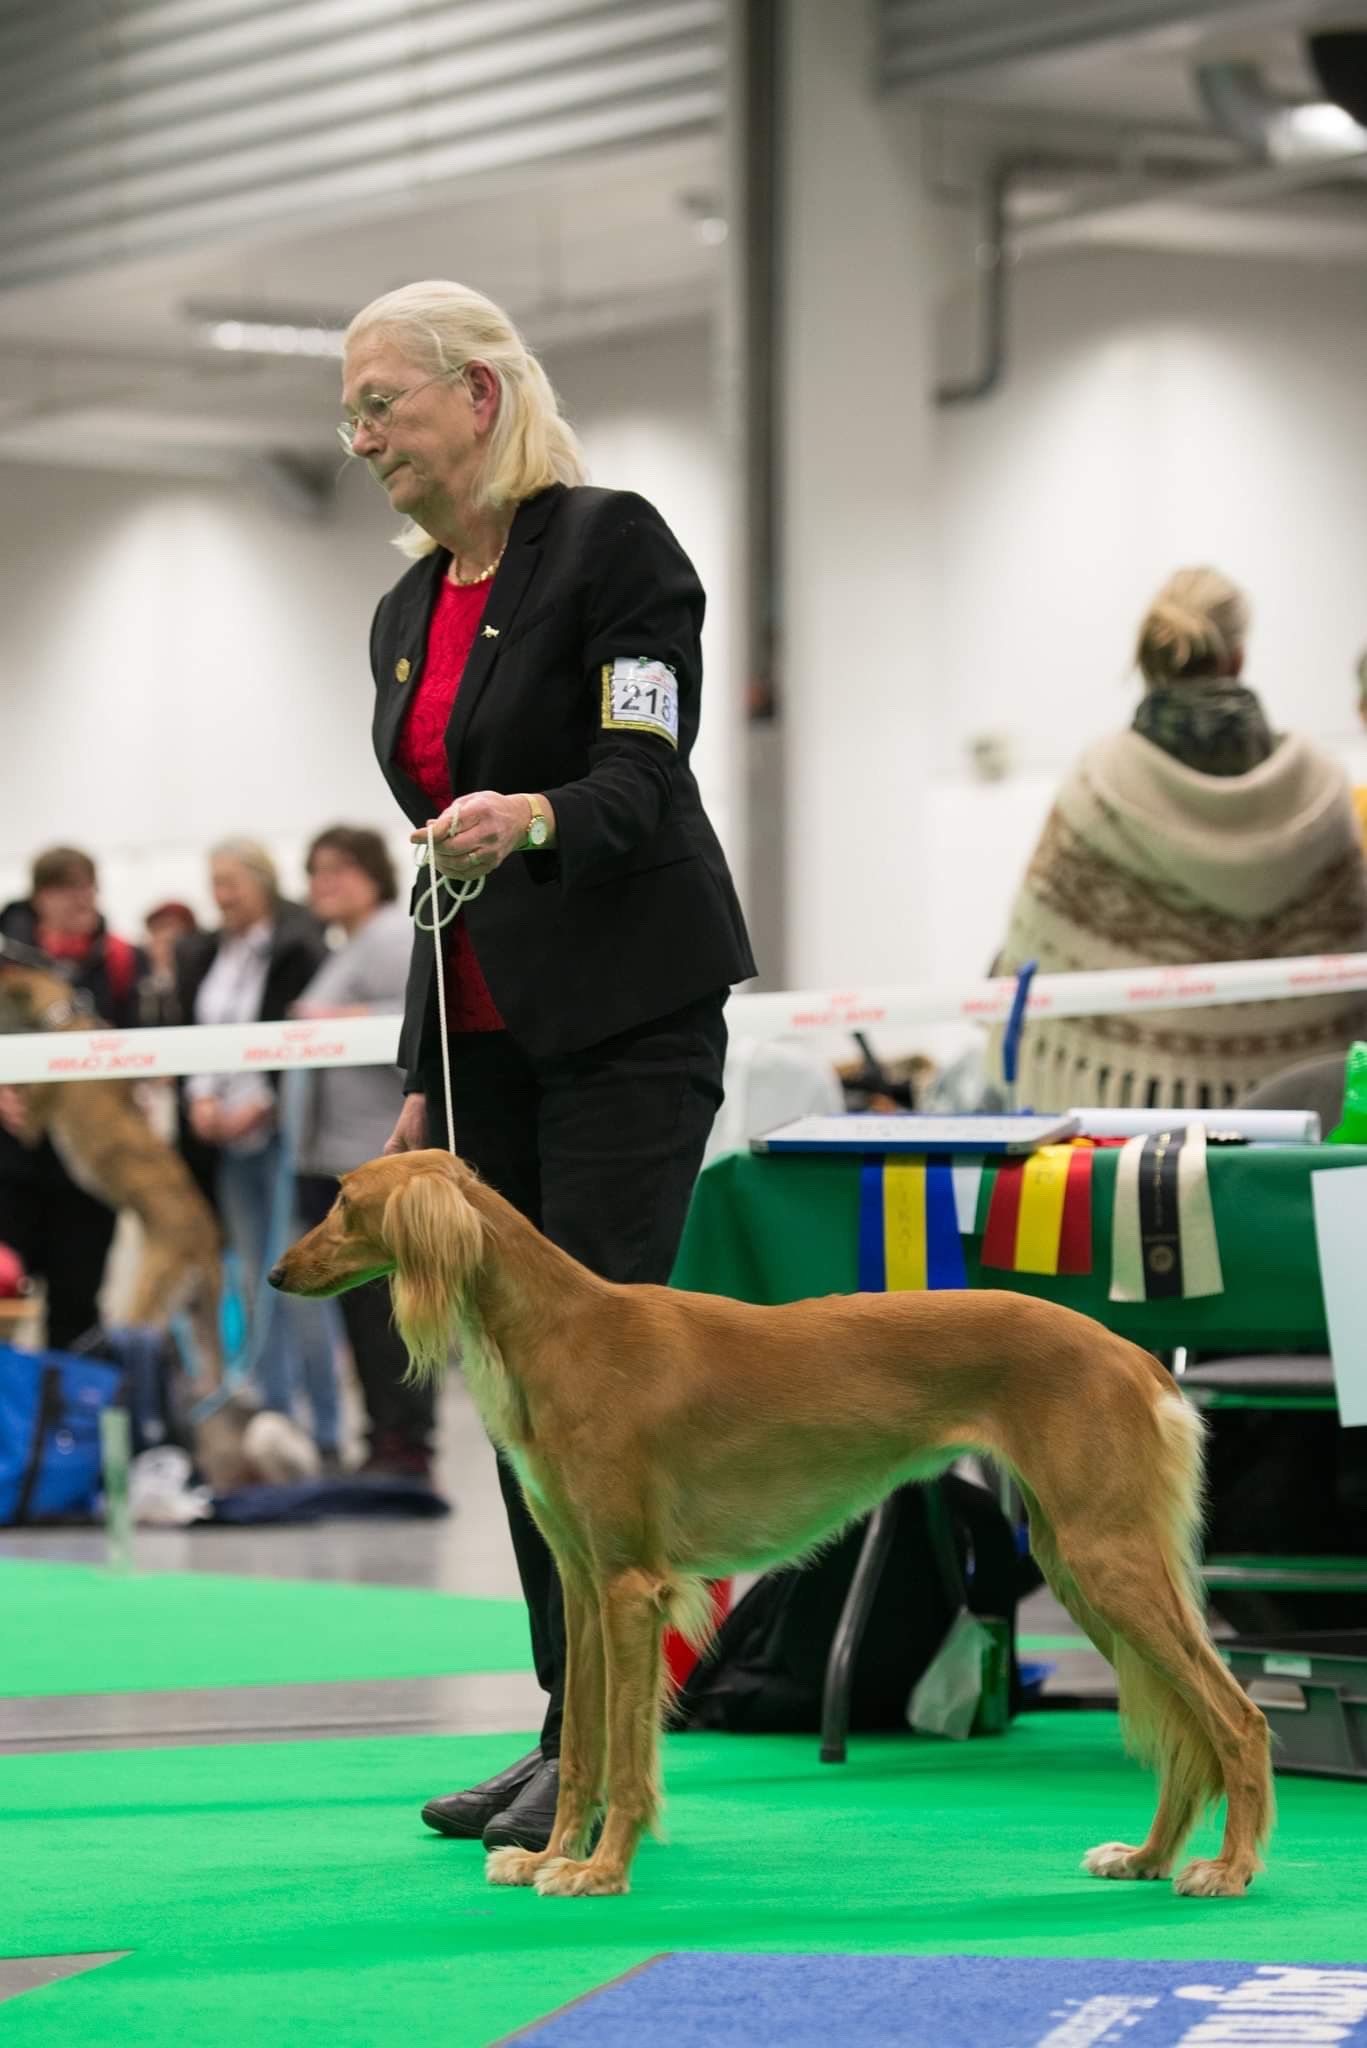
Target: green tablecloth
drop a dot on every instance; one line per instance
(766, 1227)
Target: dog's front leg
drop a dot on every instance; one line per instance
(632, 1623)
(583, 1744)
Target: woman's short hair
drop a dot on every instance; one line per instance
(62, 867)
(253, 856)
(1197, 623)
(443, 326)
(365, 850)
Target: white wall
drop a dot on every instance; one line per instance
(179, 661)
(1157, 411)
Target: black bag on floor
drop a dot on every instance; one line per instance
(766, 1669)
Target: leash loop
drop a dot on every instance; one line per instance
(439, 916)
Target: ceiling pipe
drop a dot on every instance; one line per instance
(1272, 126)
(992, 258)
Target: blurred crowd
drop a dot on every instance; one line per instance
(265, 1150)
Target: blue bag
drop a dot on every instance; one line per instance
(50, 1406)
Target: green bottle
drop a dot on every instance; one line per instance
(1353, 1129)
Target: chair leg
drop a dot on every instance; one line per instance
(940, 1529)
(854, 1617)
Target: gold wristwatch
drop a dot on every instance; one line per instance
(539, 830)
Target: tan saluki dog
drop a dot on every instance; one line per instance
(665, 1438)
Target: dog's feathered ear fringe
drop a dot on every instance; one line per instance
(437, 1239)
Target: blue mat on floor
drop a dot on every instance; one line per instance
(731, 2001)
(313, 1500)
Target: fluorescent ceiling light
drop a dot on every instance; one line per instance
(1321, 128)
(254, 331)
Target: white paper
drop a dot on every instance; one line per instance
(1340, 1202)
(968, 1174)
(1259, 1126)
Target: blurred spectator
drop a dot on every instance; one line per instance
(255, 967)
(1199, 834)
(351, 1112)
(58, 1229)
(164, 926)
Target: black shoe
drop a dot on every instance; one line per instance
(526, 1821)
(467, 1814)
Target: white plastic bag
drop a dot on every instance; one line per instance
(944, 1700)
(158, 1493)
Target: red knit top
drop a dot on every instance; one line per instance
(422, 755)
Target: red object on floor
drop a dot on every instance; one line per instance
(680, 1657)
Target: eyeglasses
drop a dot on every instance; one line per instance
(377, 409)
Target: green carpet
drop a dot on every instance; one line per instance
(69, 1628)
(282, 1894)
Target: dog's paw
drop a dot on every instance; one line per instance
(563, 1878)
(512, 1866)
(1212, 1880)
(1118, 1859)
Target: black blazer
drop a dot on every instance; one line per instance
(298, 950)
(633, 913)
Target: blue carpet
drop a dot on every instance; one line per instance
(736, 2001)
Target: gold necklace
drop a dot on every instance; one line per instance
(466, 582)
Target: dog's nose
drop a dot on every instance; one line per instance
(276, 1276)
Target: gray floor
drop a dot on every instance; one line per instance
(30, 1973)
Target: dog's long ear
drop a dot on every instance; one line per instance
(437, 1239)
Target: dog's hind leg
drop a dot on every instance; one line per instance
(633, 1605)
(1118, 1540)
(1179, 1802)
(1181, 1710)
(583, 1742)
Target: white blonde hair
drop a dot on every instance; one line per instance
(254, 857)
(443, 326)
(1197, 622)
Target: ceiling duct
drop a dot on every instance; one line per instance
(1272, 126)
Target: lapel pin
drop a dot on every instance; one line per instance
(491, 632)
(403, 669)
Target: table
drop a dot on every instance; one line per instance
(769, 1227)
(772, 1227)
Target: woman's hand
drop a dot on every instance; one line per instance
(205, 1120)
(234, 1124)
(476, 834)
(410, 1132)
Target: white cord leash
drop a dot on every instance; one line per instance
(439, 916)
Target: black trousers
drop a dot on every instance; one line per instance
(59, 1231)
(599, 1149)
(401, 1416)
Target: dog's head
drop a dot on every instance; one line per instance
(407, 1215)
(32, 997)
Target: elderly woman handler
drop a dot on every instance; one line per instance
(538, 678)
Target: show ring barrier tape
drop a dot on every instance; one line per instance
(373, 1041)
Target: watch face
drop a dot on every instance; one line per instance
(536, 832)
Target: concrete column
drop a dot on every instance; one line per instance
(858, 671)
